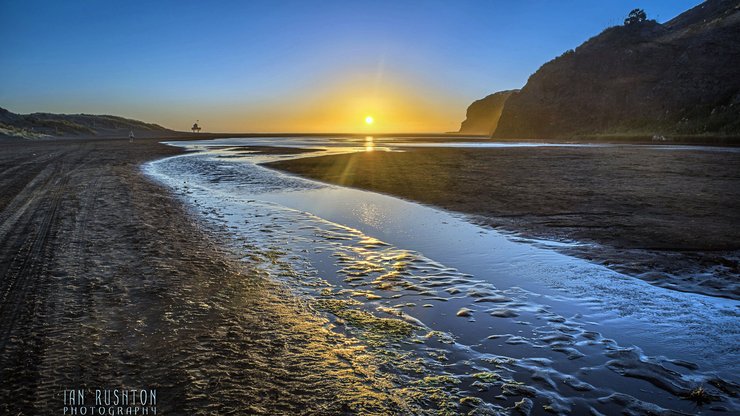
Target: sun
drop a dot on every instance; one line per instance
(369, 120)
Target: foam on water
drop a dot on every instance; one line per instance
(490, 319)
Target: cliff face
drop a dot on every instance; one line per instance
(681, 77)
(483, 115)
(37, 125)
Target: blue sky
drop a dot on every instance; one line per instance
(283, 65)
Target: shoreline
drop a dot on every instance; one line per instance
(616, 139)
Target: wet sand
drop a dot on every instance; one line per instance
(107, 281)
(110, 281)
(667, 216)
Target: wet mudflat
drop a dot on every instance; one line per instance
(665, 214)
(479, 322)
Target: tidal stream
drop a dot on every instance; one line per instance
(491, 321)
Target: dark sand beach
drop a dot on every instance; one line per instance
(108, 282)
(666, 216)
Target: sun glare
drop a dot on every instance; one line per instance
(369, 120)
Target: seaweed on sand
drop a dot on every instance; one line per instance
(375, 326)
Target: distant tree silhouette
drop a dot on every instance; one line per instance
(635, 16)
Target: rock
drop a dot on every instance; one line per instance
(482, 116)
(524, 406)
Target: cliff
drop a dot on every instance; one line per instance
(483, 115)
(37, 125)
(681, 77)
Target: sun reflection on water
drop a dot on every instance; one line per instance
(369, 144)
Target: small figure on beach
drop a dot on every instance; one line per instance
(196, 127)
(130, 136)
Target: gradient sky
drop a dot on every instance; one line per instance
(287, 66)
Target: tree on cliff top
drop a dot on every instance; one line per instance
(635, 16)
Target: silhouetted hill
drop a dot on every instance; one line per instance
(482, 116)
(681, 77)
(39, 125)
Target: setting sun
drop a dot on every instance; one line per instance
(369, 120)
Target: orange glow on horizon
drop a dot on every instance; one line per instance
(390, 106)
